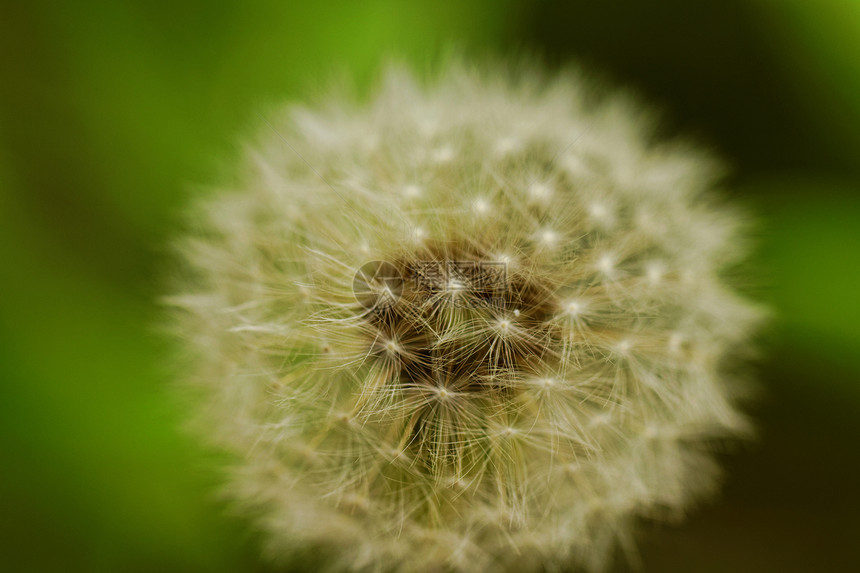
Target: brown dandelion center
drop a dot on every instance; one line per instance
(462, 331)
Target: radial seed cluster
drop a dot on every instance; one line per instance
(476, 325)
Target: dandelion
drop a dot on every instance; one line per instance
(491, 340)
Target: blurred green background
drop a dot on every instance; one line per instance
(112, 112)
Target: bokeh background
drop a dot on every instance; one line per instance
(112, 113)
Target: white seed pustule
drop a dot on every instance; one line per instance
(444, 416)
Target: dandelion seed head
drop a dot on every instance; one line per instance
(417, 234)
(479, 323)
(539, 192)
(623, 347)
(573, 307)
(392, 347)
(412, 191)
(443, 155)
(481, 206)
(654, 271)
(606, 264)
(548, 237)
(506, 146)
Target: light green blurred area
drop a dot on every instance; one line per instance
(819, 42)
(810, 256)
(113, 112)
